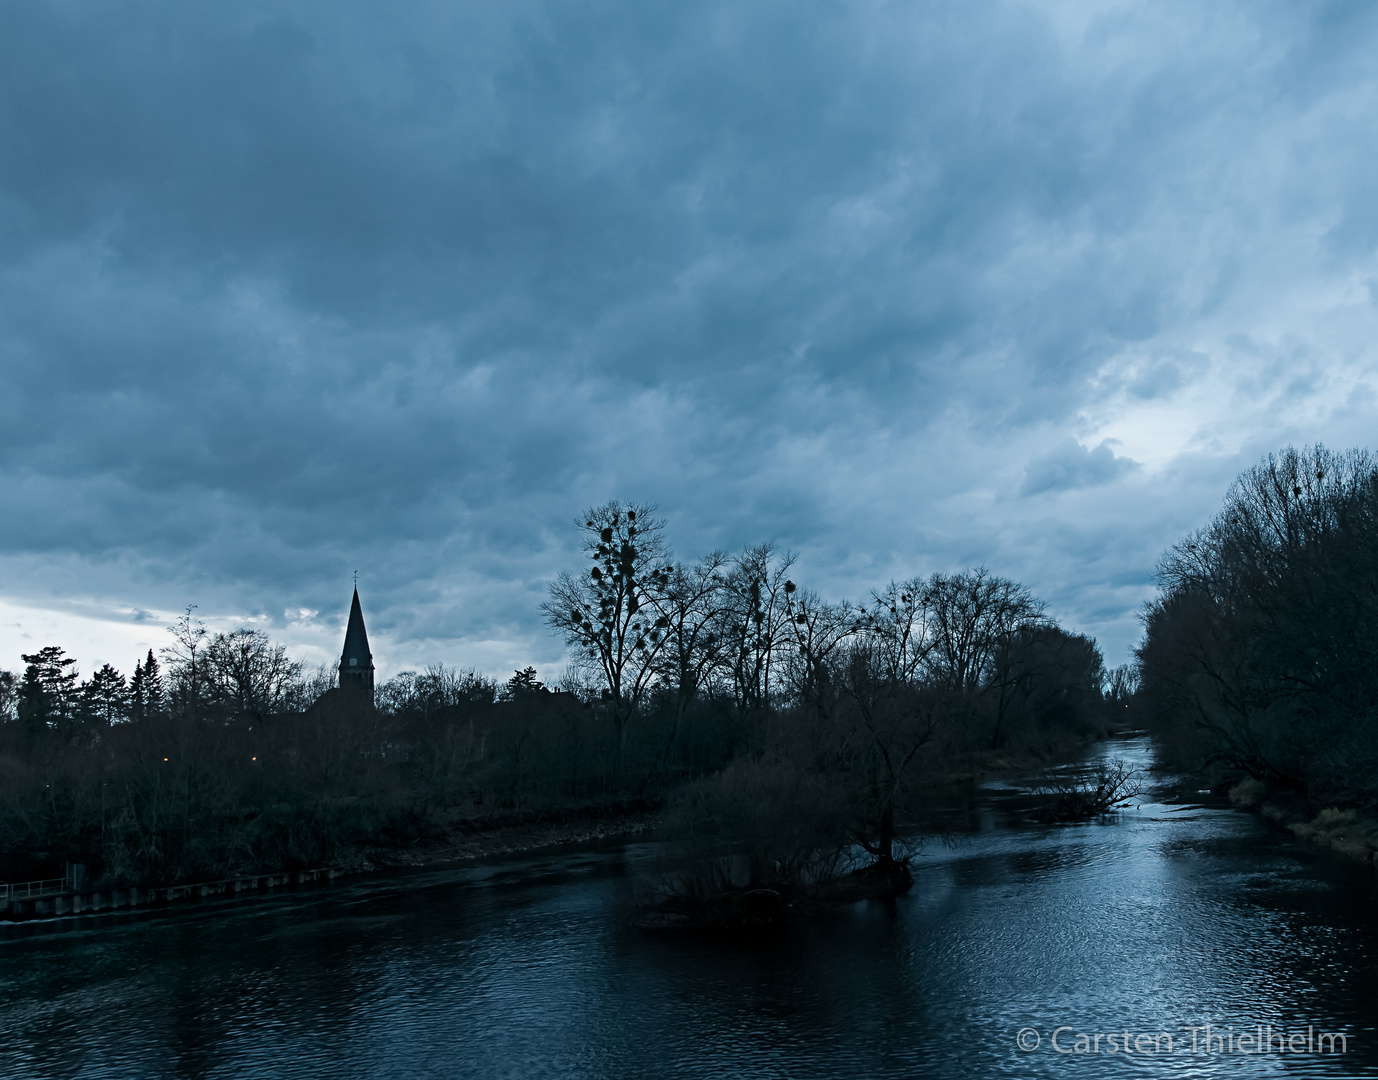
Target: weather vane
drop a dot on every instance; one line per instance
(356, 579)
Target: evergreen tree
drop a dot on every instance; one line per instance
(153, 686)
(34, 709)
(137, 696)
(522, 684)
(105, 698)
(48, 697)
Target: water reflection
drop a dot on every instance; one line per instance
(1172, 916)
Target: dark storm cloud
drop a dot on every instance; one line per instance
(289, 289)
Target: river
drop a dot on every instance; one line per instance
(1171, 916)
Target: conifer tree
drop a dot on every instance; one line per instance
(105, 697)
(153, 686)
(137, 695)
(48, 696)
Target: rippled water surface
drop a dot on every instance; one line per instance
(1169, 917)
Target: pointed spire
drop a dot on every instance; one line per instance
(356, 662)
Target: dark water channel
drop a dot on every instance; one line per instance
(1172, 916)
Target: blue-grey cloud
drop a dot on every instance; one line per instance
(1072, 465)
(289, 289)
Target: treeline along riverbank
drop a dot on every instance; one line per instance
(1260, 659)
(758, 715)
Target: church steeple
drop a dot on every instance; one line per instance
(356, 662)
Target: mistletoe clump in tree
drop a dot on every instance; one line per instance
(611, 614)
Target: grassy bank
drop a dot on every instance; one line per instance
(1340, 830)
(464, 839)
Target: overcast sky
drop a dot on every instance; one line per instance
(293, 289)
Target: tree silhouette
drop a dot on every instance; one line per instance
(105, 697)
(610, 615)
(48, 694)
(756, 622)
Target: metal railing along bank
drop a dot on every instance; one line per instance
(25, 890)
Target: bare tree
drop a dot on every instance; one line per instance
(184, 663)
(818, 632)
(247, 676)
(9, 696)
(885, 725)
(609, 615)
(1121, 684)
(756, 622)
(692, 604)
(898, 628)
(970, 615)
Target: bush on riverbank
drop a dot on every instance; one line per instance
(1342, 830)
(751, 843)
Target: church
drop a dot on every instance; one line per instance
(356, 662)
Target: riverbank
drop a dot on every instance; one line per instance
(1339, 830)
(461, 840)
(466, 837)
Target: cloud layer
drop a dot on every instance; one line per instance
(289, 290)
